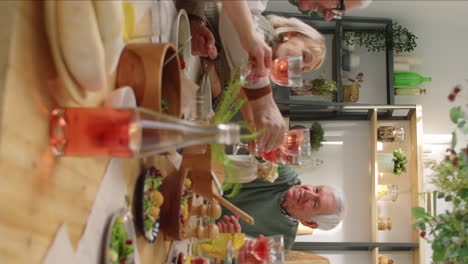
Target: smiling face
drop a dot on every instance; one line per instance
(323, 7)
(305, 201)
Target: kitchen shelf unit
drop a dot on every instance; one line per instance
(337, 28)
(410, 117)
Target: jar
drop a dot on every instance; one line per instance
(384, 223)
(390, 134)
(387, 192)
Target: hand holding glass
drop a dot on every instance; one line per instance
(285, 71)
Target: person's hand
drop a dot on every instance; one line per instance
(259, 56)
(229, 224)
(267, 115)
(203, 42)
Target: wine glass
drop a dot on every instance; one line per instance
(261, 250)
(285, 71)
(295, 146)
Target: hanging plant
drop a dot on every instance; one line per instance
(322, 86)
(316, 136)
(402, 40)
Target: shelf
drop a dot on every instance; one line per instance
(417, 178)
(375, 256)
(401, 241)
(373, 173)
(337, 28)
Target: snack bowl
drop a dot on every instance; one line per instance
(153, 76)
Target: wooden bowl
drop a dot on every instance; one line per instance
(172, 188)
(141, 66)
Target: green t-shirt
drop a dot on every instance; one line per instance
(262, 200)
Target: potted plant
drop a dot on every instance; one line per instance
(394, 163)
(322, 86)
(316, 136)
(351, 90)
(401, 39)
(447, 232)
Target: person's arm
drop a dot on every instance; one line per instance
(267, 116)
(240, 16)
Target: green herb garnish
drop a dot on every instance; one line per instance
(164, 107)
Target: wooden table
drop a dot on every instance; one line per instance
(38, 192)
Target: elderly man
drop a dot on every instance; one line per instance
(278, 207)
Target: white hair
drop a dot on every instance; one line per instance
(283, 25)
(328, 222)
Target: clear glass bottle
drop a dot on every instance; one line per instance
(387, 192)
(107, 132)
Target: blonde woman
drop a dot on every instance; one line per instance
(287, 37)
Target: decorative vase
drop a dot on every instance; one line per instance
(385, 163)
(351, 93)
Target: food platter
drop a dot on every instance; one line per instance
(175, 212)
(120, 240)
(148, 201)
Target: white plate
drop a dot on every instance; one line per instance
(180, 35)
(128, 225)
(68, 89)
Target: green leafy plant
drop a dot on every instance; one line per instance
(316, 136)
(448, 232)
(399, 162)
(322, 86)
(401, 39)
(224, 112)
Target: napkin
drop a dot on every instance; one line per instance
(123, 97)
(61, 250)
(109, 199)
